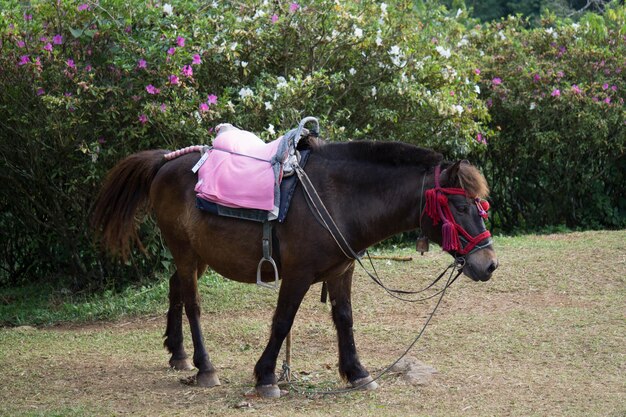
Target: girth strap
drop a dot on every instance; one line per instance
(267, 257)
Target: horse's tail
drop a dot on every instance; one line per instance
(125, 191)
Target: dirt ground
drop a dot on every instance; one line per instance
(546, 336)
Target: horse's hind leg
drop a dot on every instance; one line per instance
(207, 376)
(350, 368)
(174, 330)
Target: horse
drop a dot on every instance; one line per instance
(372, 190)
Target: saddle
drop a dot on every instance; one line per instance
(240, 171)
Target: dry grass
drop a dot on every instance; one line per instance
(547, 336)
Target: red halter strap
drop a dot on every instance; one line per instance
(437, 209)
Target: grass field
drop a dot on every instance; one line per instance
(545, 337)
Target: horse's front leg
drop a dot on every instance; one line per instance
(350, 368)
(289, 299)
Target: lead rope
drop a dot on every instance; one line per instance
(406, 351)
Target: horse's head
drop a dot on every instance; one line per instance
(454, 218)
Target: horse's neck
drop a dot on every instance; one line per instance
(381, 203)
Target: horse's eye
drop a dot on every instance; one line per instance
(464, 208)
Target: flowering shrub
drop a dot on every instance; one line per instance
(86, 83)
(556, 97)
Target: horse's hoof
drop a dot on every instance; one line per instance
(365, 383)
(181, 364)
(207, 379)
(268, 391)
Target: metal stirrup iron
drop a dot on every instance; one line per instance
(267, 257)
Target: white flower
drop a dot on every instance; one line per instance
(282, 82)
(462, 42)
(394, 50)
(268, 105)
(501, 34)
(477, 89)
(446, 53)
(214, 5)
(374, 91)
(167, 9)
(352, 71)
(379, 40)
(244, 64)
(458, 13)
(383, 8)
(270, 129)
(532, 105)
(245, 92)
(233, 46)
(459, 109)
(358, 32)
(259, 13)
(575, 26)
(196, 114)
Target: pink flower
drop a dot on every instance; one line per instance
(212, 99)
(204, 107)
(43, 39)
(173, 79)
(70, 63)
(607, 100)
(57, 39)
(477, 71)
(605, 86)
(180, 41)
(143, 119)
(88, 68)
(152, 89)
(24, 59)
(187, 71)
(555, 93)
(82, 7)
(560, 74)
(48, 47)
(536, 78)
(21, 44)
(171, 51)
(41, 91)
(142, 63)
(576, 89)
(163, 107)
(496, 81)
(196, 60)
(274, 18)
(452, 93)
(614, 87)
(28, 17)
(293, 7)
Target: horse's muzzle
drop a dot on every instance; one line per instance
(481, 264)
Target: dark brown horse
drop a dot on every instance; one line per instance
(372, 190)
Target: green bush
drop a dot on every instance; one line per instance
(556, 97)
(83, 85)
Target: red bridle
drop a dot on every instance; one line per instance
(437, 209)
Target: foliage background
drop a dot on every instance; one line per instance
(84, 84)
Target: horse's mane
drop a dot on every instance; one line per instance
(383, 153)
(399, 154)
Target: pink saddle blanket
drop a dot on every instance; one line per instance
(242, 171)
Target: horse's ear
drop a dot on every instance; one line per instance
(450, 175)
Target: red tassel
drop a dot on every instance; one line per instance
(431, 206)
(450, 237)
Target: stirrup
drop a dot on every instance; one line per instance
(273, 286)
